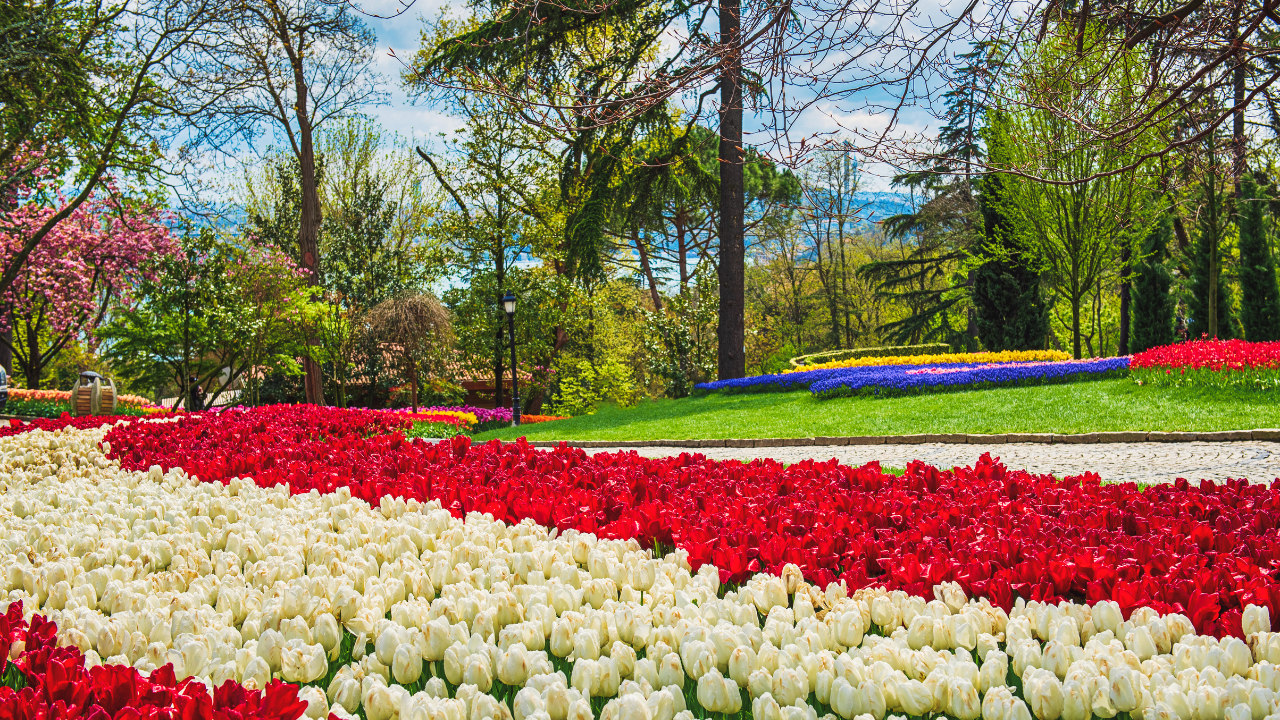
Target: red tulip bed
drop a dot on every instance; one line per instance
(1205, 551)
(1210, 363)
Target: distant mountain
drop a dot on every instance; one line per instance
(877, 206)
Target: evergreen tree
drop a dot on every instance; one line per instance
(1010, 311)
(1210, 310)
(1152, 306)
(1259, 293)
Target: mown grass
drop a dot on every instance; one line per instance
(1102, 405)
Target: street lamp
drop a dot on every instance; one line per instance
(509, 304)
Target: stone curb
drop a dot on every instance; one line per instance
(1269, 434)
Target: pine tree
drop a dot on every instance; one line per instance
(1210, 310)
(1259, 293)
(1010, 310)
(1152, 306)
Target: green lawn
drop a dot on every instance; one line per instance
(1081, 407)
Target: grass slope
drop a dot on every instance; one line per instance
(1081, 407)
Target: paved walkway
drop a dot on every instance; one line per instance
(1147, 462)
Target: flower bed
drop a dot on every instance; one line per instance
(1210, 363)
(47, 680)
(401, 609)
(1008, 356)
(53, 403)
(1201, 550)
(894, 380)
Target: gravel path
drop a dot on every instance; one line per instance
(1147, 462)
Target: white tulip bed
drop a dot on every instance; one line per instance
(404, 611)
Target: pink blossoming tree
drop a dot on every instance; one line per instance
(64, 289)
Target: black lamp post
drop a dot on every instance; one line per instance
(509, 304)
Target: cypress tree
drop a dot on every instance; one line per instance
(1259, 293)
(1009, 308)
(1210, 308)
(1152, 306)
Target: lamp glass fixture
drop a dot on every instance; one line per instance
(509, 303)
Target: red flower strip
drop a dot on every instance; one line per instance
(1206, 551)
(1214, 355)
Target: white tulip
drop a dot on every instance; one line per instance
(1256, 619)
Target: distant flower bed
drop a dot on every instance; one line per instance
(1007, 356)
(1210, 363)
(531, 419)
(52, 403)
(892, 380)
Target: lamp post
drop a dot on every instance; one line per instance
(509, 304)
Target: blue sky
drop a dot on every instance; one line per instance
(401, 35)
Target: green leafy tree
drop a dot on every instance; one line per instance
(213, 311)
(1088, 202)
(1010, 312)
(1153, 306)
(1259, 293)
(1211, 308)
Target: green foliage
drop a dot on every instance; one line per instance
(583, 387)
(213, 310)
(1152, 305)
(1093, 200)
(680, 340)
(361, 263)
(1259, 293)
(434, 430)
(481, 326)
(883, 351)
(1211, 309)
(1009, 308)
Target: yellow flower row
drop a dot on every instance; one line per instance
(978, 357)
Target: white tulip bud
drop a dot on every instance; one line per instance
(790, 685)
(257, 673)
(526, 703)
(697, 658)
(742, 662)
(455, 659)
(962, 699)
(670, 672)
(994, 671)
(270, 646)
(914, 697)
(920, 632)
(345, 692)
(513, 665)
(328, 634)
(406, 664)
(478, 672)
(766, 708)
(317, 704)
(302, 663)
(1106, 616)
(1043, 693)
(1256, 619)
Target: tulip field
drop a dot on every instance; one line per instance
(296, 561)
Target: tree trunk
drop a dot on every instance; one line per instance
(1122, 347)
(35, 361)
(1239, 143)
(413, 385)
(6, 349)
(648, 271)
(309, 230)
(1075, 327)
(731, 331)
